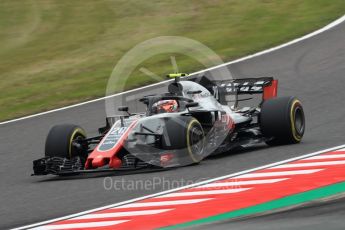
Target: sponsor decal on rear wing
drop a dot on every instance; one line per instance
(266, 86)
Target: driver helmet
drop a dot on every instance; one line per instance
(166, 106)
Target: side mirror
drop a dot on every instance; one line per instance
(192, 104)
(123, 109)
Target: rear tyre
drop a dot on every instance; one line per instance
(282, 120)
(187, 136)
(59, 142)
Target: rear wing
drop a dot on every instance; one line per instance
(267, 86)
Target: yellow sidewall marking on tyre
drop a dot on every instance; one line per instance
(292, 118)
(190, 152)
(80, 131)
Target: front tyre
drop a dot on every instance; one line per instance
(282, 120)
(195, 141)
(187, 137)
(59, 142)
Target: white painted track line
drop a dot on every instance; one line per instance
(122, 214)
(281, 173)
(330, 156)
(81, 225)
(241, 183)
(162, 203)
(311, 164)
(205, 192)
(319, 31)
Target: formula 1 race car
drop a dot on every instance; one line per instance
(191, 121)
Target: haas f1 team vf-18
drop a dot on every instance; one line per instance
(183, 126)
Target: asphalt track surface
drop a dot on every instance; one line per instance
(312, 70)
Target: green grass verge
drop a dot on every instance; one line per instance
(297, 199)
(55, 53)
